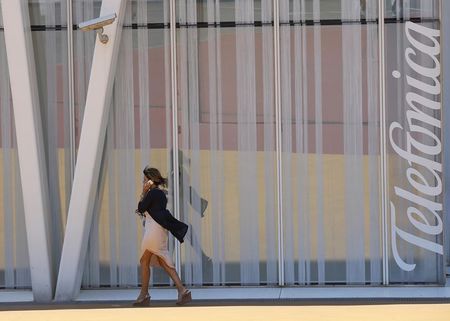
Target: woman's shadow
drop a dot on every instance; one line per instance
(194, 200)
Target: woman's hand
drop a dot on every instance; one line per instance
(146, 186)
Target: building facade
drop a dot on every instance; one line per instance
(303, 140)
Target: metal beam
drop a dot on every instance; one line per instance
(278, 140)
(445, 59)
(71, 89)
(175, 144)
(383, 163)
(87, 168)
(27, 119)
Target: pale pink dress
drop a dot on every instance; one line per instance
(155, 240)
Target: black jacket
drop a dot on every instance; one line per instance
(155, 202)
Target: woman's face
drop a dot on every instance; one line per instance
(145, 180)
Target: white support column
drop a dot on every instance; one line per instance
(27, 118)
(383, 161)
(278, 143)
(87, 168)
(445, 59)
(175, 145)
(71, 85)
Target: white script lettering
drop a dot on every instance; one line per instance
(422, 146)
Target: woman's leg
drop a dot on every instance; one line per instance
(145, 273)
(173, 275)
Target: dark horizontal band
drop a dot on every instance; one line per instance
(234, 24)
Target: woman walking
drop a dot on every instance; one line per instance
(154, 247)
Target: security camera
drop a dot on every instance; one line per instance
(98, 24)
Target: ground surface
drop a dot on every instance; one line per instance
(232, 310)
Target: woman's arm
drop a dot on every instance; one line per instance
(145, 203)
(145, 199)
(145, 188)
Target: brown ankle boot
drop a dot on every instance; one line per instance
(184, 297)
(142, 302)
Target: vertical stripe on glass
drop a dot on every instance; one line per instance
(246, 112)
(353, 144)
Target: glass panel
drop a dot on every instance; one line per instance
(330, 143)
(138, 133)
(83, 50)
(424, 9)
(50, 52)
(445, 7)
(14, 264)
(227, 142)
(413, 122)
(329, 10)
(156, 13)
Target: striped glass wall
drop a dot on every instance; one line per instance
(288, 168)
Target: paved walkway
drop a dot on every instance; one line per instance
(122, 312)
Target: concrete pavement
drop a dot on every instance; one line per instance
(242, 311)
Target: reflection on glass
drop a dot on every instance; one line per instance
(226, 13)
(14, 264)
(330, 143)
(412, 94)
(411, 9)
(138, 134)
(50, 54)
(225, 70)
(227, 142)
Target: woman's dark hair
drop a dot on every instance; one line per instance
(155, 176)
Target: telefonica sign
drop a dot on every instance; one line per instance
(423, 118)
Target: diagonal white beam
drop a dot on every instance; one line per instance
(27, 119)
(87, 168)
